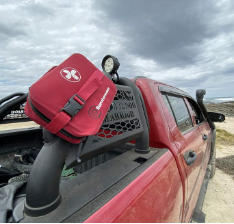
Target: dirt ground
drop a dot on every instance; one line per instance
(219, 201)
(19, 125)
(227, 125)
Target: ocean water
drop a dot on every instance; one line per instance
(218, 99)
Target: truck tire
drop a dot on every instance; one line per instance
(212, 163)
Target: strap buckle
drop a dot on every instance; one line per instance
(73, 106)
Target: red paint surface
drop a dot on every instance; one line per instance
(155, 196)
(168, 190)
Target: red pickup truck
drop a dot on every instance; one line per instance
(150, 161)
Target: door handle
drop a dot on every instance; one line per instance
(190, 157)
(204, 137)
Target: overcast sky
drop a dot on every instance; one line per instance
(187, 44)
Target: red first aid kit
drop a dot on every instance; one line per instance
(71, 100)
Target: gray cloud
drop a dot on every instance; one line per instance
(188, 44)
(38, 8)
(11, 30)
(167, 31)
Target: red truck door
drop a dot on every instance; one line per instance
(191, 150)
(199, 120)
(200, 124)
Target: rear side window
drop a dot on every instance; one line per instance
(197, 114)
(167, 104)
(181, 113)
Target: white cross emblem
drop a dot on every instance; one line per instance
(70, 74)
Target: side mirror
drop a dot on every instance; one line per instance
(216, 117)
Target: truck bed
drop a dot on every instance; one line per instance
(101, 179)
(89, 191)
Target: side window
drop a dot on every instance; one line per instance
(167, 104)
(196, 111)
(181, 113)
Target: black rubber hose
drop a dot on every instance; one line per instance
(7, 107)
(200, 93)
(142, 143)
(42, 194)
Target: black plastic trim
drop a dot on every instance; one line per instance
(95, 145)
(72, 107)
(42, 193)
(190, 157)
(11, 96)
(11, 104)
(142, 143)
(43, 210)
(144, 109)
(200, 93)
(12, 140)
(15, 120)
(198, 215)
(212, 144)
(166, 89)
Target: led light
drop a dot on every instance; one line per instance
(110, 64)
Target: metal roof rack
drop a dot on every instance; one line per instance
(125, 121)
